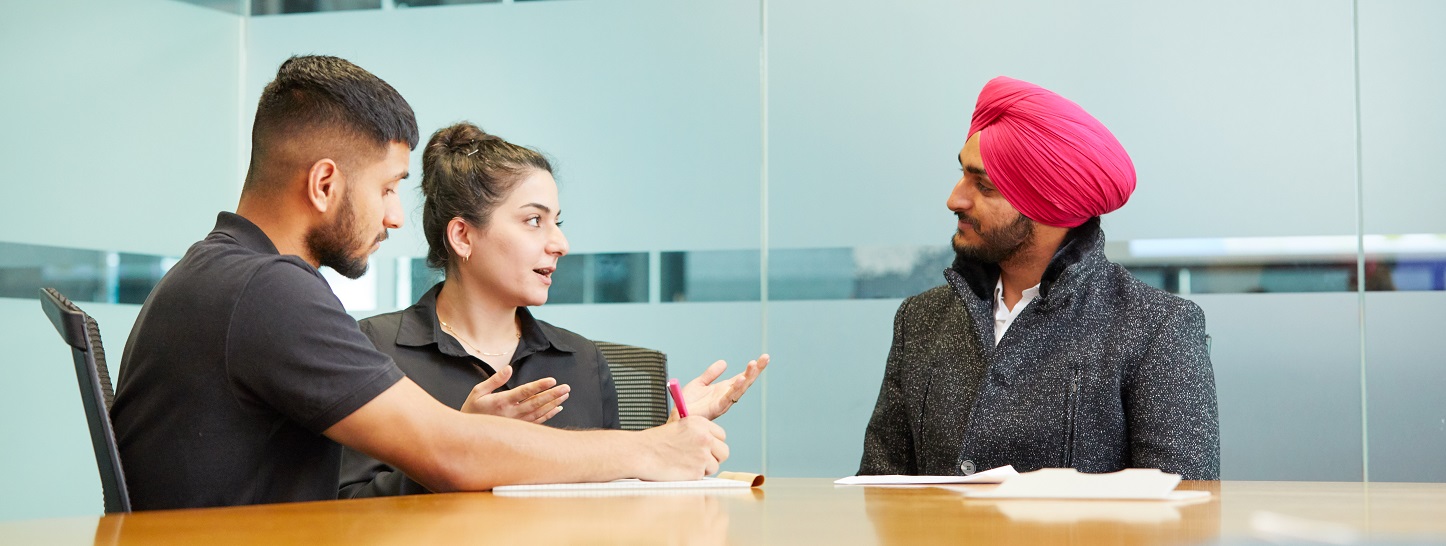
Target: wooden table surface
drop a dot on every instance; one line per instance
(790, 511)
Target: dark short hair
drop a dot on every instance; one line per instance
(331, 101)
(467, 173)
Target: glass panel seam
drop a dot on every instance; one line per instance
(763, 220)
(1360, 235)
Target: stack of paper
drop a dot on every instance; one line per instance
(1068, 483)
(1051, 483)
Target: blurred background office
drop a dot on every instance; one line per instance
(769, 175)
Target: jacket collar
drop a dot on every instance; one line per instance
(420, 327)
(1082, 249)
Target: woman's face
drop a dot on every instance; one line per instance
(514, 256)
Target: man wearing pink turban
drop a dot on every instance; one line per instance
(1040, 352)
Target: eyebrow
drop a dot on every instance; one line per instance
(972, 169)
(539, 206)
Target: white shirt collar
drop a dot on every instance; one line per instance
(1003, 315)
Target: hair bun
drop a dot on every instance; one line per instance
(451, 144)
(459, 138)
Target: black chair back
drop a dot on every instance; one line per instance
(81, 332)
(641, 377)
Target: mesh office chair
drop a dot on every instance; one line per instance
(81, 332)
(640, 376)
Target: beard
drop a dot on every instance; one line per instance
(334, 245)
(998, 244)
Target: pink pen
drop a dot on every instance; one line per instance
(677, 392)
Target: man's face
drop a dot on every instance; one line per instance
(990, 229)
(369, 207)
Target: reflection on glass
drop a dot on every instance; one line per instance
(272, 7)
(421, 277)
(137, 274)
(1405, 262)
(426, 3)
(1246, 279)
(1407, 275)
(79, 274)
(710, 275)
(811, 274)
(900, 272)
(277, 7)
(1236, 265)
(579, 278)
(855, 273)
(600, 278)
(1181, 266)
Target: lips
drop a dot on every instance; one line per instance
(546, 274)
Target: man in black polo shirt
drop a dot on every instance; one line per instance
(243, 370)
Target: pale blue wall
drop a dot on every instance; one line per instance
(120, 128)
(1402, 83)
(120, 122)
(52, 469)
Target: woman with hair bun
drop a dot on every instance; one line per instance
(492, 221)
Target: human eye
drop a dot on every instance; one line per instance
(558, 223)
(534, 221)
(984, 188)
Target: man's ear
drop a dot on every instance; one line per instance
(323, 184)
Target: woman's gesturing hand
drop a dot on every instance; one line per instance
(537, 401)
(711, 400)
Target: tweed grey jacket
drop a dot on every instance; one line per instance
(1100, 373)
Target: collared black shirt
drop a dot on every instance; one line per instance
(438, 363)
(240, 358)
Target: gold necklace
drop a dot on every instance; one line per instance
(448, 328)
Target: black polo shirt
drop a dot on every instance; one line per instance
(240, 358)
(437, 362)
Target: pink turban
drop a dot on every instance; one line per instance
(1055, 163)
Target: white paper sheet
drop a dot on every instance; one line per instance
(993, 475)
(621, 485)
(1068, 483)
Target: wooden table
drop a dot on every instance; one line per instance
(788, 511)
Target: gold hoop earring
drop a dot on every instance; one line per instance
(466, 257)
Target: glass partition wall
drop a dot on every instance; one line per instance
(1283, 187)
(1237, 134)
(769, 176)
(1404, 361)
(746, 176)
